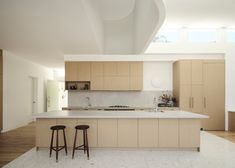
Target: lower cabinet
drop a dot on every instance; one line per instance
(43, 132)
(127, 133)
(69, 131)
(132, 133)
(148, 132)
(92, 132)
(107, 133)
(168, 133)
(189, 134)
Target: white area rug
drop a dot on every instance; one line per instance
(215, 153)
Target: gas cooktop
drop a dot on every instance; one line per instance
(119, 108)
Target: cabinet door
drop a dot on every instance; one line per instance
(84, 71)
(71, 71)
(168, 133)
(185, 72)
(92, 132)
(43, 132)
(110, 68)
(136, 68)
(185, 97)
(214, 96)
(136, 82)
(148, 132)
(197, 71)
(97, 83)
(107, 133)
(127, 133)
(121, 83)
(123, 69)
(189, 133)
(197, 98)
(69, 131)
(97, 69)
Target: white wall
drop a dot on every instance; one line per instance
(17, 90)
(158, 76)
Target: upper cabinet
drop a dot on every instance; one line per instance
(190, 72)
(107, 75)
(77, 71)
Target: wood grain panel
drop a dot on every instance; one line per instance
(127, 133)
(107, 133)
(148, 132)
(168, 133)
(189, 133)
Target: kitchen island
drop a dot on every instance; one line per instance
(129, 129)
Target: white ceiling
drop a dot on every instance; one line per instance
(115, 9)
(45, 30)
(199, 13)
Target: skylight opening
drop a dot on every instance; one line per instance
(230, 35)
(202, 36)
(166, 36)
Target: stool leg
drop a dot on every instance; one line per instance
(57, 145)
(65, 144)
(74, 143)
(52, 138)
(87, 146)
(84, 141)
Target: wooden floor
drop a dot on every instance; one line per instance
(16, 142)
(224, 134)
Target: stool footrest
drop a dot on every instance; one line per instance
(58, 149)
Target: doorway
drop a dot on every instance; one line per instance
(33, 95)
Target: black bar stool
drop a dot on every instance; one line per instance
(57, 148)
(85, 145)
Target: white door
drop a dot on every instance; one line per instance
(33, 95)
(53, 91)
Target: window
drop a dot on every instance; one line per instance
(202, 36)
(231, 36)
(166, 36)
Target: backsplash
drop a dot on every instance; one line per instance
(108, 98)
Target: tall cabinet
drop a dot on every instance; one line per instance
(198, 85)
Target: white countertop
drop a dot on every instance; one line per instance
(119, 114)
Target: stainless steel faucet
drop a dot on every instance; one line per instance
(88, 102)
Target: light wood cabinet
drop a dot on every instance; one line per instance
(107, 133)
(71, 71)
(168, 133)
(84, 71)
(127, 133)
(110, 68)
(123, 69)
(43, 132)
(136, 82)
(189, 134)
(148, 132)
(77, 71)
(214, 95)
(97, 76)
(187, 84)
(92, 132)
(199, 87)
(69, 131)
(107, 75)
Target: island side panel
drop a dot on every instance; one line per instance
(43, 132)
(168, 133)
(189, 133)
(69, 131)
(127, 133)
(107, 133)
(148, 133)
(92, 132)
